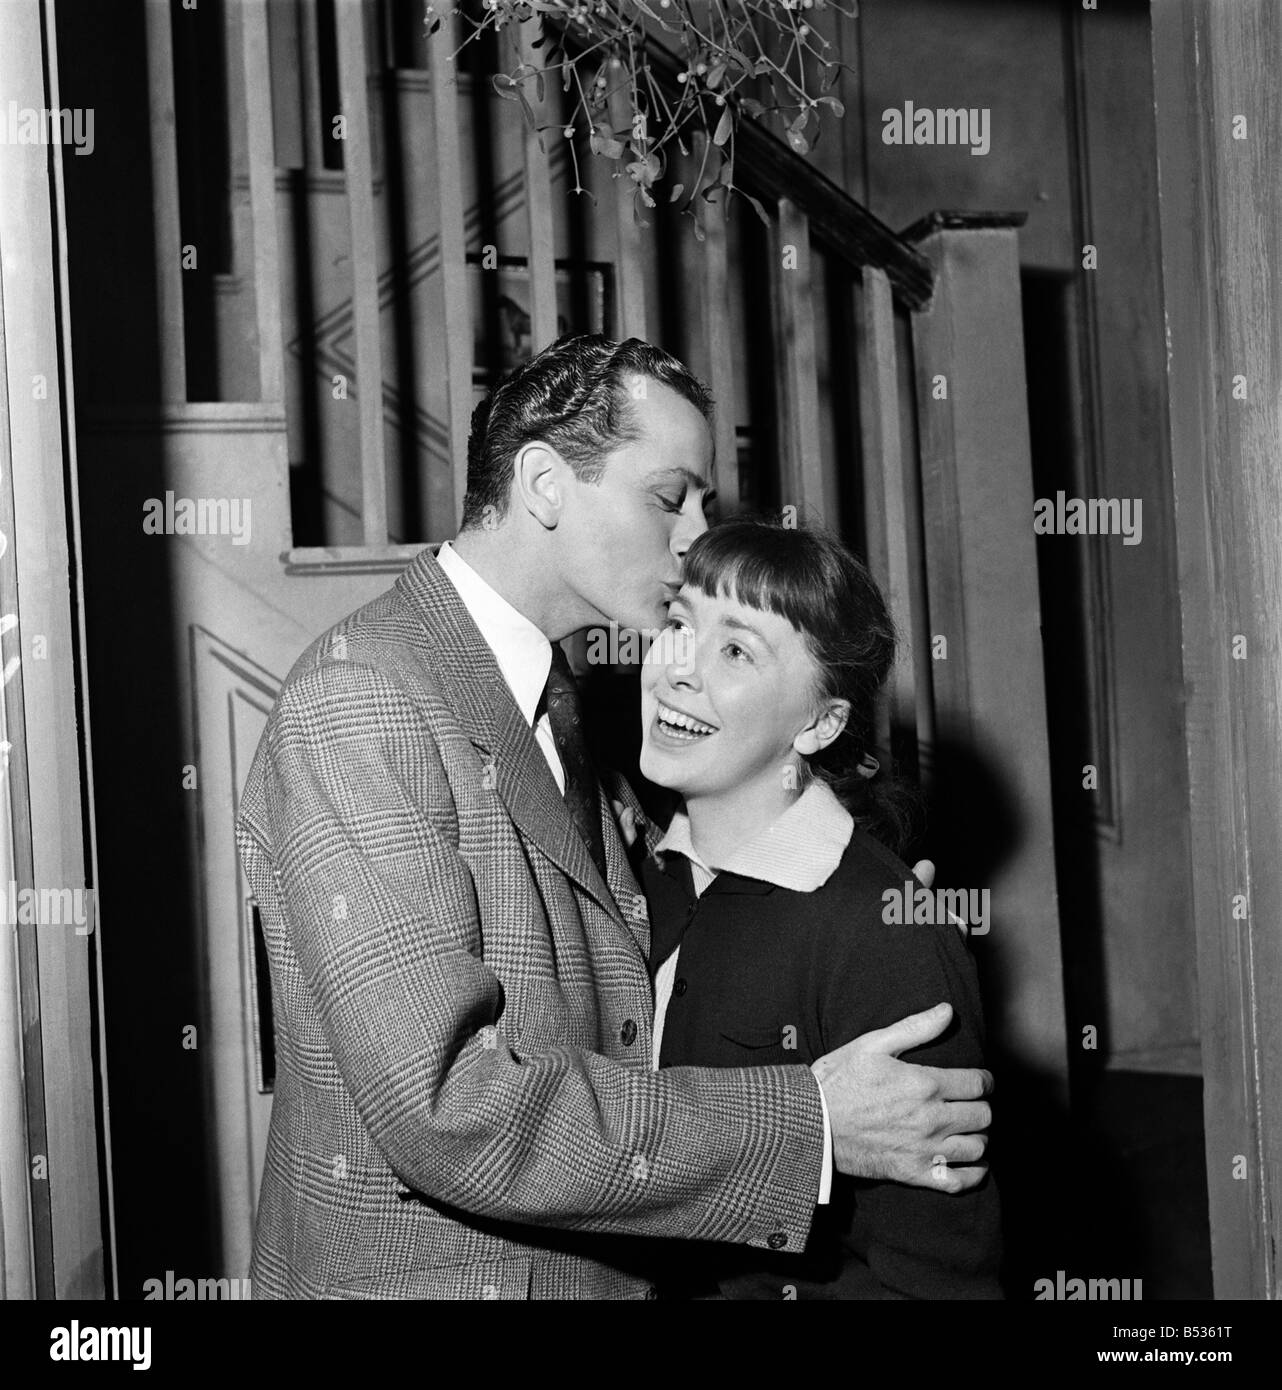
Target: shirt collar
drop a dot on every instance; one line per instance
(800, 850)
(523, 652)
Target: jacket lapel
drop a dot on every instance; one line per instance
(472, 684)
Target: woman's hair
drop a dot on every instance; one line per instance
(812, 580)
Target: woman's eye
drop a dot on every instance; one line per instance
(672, 504)
(734, 651)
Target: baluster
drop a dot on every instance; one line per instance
(358, 171)
(315, 120)
(809, 487)
(166, 218)
(538, 195)
(628, 260)
(893, 526)
(715, 307)
(453, 250)
(262, 199)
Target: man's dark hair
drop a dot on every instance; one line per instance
(574, 395)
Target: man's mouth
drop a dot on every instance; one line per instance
(682, 727)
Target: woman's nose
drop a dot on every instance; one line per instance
(683, 662)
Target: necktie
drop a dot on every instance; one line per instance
(565, 714)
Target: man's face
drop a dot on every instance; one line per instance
(626, 534)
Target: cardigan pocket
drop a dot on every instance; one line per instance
(756, 1038)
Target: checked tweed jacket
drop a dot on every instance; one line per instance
(464, 1106)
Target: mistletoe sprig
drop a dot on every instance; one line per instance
(756, 59)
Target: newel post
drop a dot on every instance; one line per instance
(991, 786)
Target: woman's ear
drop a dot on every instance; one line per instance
(536, 482)
(823, 728)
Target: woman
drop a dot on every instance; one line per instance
(769, 944)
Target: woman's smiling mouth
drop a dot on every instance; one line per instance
(682, 728)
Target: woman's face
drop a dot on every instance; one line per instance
(727, 698)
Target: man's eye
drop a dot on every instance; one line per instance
(672, 504)
(734, 651)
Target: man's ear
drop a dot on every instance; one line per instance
(537, 482)
(828, 722)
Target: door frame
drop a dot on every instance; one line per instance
(1215, 64)
(54, 1241)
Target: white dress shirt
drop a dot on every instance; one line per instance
(523, 653)
(800, 850)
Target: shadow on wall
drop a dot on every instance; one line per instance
(152, 970)
(1112, 1186)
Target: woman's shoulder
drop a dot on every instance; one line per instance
(874, 904)
(882, 956)
(868, 869)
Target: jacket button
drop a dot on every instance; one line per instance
(679, 987)
(628, 1033)
(776, 1240)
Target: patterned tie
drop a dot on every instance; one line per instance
(565, 714)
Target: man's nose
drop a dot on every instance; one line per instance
(690, 526)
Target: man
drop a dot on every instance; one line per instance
(464, 1105)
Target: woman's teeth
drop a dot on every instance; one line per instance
(682, 726)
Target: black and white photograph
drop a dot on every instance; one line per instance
(642, 661)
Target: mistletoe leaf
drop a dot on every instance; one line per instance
(505, 86)
(838, 107)
(798, 141)
(750, 106)
(737, 56)
(756, 207)
(725, 126)
(677, 190)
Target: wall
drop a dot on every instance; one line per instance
(1072, 145)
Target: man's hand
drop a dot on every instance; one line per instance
(898, 1122)
(924, 872)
